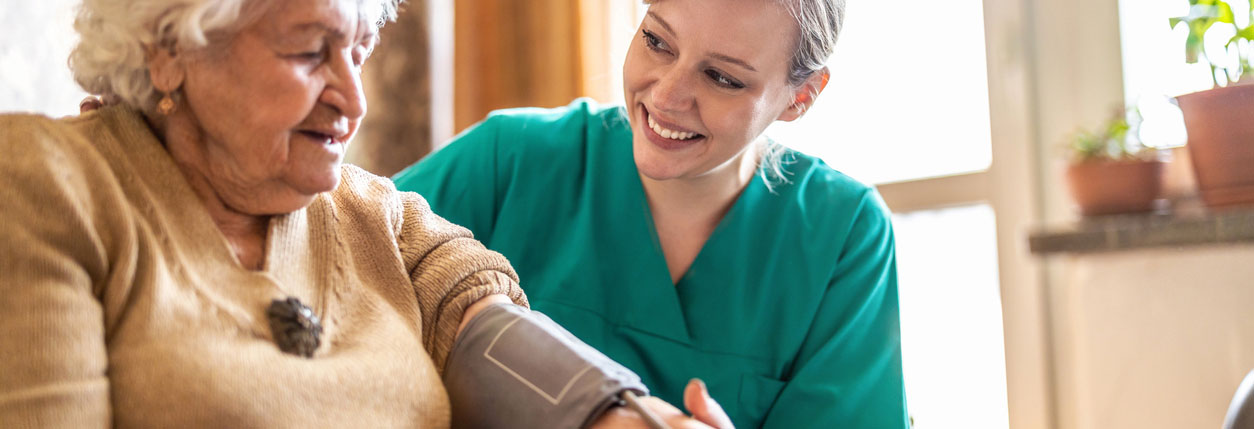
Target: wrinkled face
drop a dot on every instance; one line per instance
(703, 79)
(278, 104)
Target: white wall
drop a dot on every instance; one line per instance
(36, 37)
(1153, 338)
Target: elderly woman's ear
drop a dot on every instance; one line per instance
(165, 68)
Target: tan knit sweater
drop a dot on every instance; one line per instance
(122, 304)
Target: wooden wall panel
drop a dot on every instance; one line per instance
(511, 53)
(397, 129)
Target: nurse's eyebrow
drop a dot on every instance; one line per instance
(733, 60)
(717, 56)
(661, 21)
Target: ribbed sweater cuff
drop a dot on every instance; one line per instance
(462, 296)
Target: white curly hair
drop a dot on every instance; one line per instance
(109, 59)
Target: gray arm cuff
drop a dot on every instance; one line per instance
(513, 367)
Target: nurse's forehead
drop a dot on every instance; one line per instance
(752, 35)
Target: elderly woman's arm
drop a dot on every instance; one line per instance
(52, 335)
(450, 272)
(457, 279)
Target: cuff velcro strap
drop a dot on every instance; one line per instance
(513, 367)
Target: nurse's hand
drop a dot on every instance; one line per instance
(624, 417)
(698, 401)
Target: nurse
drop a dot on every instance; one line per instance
(673, 236)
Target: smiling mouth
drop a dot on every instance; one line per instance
(319, 136)
(669, 133)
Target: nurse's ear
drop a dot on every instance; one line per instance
(805, 95)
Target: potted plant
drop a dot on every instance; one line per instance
(1220, 121)
(1110, 173)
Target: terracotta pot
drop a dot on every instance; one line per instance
(1111, 187)
(1220, 123)
(1179, 181)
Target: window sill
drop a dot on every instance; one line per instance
(1152, 230)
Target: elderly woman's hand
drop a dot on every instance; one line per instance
(92, 102)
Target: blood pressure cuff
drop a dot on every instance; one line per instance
(513, 367)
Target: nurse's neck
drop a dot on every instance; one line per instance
(687, 210)
(707, 192)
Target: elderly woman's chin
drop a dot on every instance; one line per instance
(304, 184)
(312, 167)
(324, 179)
(295, 188)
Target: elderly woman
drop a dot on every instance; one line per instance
(196, 254)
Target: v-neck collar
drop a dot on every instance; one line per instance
(665, 315)
(733, 213)
(292, 250)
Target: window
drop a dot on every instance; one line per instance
(35, 42)
(908, 108)
(897, 109)
(1154, 69)
(951, 330)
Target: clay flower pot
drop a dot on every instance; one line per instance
(1220, 123)
(1112, 187)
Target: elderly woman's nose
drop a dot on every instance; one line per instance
(343, 90)
(672, 91)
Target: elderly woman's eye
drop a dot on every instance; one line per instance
(309, 56)
(360, 55)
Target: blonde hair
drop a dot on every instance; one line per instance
(114, 36)
(818, 26)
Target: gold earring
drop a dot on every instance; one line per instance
(166, 105)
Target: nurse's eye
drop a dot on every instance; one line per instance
(723, 80)
(655, 43)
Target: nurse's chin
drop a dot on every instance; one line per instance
(662, 169)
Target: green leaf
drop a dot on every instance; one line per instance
(1202, 11)
(1225, 13)
(1192, 48)
(1246, 33)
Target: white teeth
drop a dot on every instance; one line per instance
(665, 133)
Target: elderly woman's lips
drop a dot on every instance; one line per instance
(323, 137)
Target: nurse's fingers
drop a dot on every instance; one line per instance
(703, 408)
(626, 418)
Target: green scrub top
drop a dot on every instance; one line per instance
(789, 312)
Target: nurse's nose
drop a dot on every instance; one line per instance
(673, 91)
